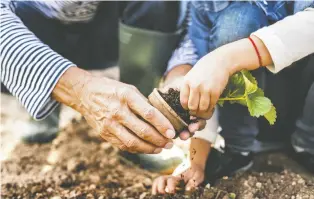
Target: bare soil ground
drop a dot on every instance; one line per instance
(77, 164)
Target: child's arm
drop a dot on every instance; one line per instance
(192, 177)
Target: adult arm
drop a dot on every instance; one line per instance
(30, 69)
(40, 78)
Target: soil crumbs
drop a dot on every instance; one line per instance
(172, 97)
(77, 164)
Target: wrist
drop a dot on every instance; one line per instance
(69, 88)
(176, 72)
(239, 55)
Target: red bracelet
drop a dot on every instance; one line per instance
(256, 50)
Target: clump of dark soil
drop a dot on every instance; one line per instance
(77, 164)
(172, 97)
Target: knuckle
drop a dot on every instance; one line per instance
(123, 147)
(132, 144)
(192, 106)
(194, 86)
(149, 114)
(144, 132)
(124, 92)
(132, 87)
(205, 88)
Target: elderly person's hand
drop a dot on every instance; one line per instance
(119, 112)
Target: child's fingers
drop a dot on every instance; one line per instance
(184, 95)
(154, 187)
(161, 185)
(204, 100)
(172, 183)
(195, 181)
(214, 96)
(194, 99)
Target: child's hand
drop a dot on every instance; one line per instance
(173, 80)
(203, 85)
(192, 178)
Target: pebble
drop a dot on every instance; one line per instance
(225, 177)
(49, 190)
(259, 185)
(46, 169)
(75, 165)
(101, 197)
(143, 195)
(55, 197)
(246, 183)
(292, 197)
(94, 178)
(147, 182)
(301, 181)
(293, 183)
(90, 196)
(92, 186)
(53, 157)
(106, 146)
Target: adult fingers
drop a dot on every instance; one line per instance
(131, 142)
(184, 135)
(151, 115)
(145, 131)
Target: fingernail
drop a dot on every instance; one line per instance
(170, 133)
(193, 127)
(169, 145)
(158, 150)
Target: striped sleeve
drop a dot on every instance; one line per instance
(29, 68)
(185, 53)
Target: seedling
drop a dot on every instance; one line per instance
(242, 89)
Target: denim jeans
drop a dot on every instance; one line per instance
(94, 45)
(303, 137)
(211, 30)
(233, 21)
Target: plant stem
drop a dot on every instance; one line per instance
(230, 99)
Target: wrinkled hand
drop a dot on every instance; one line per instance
(114, 109)
(174, 79)
(192, 178)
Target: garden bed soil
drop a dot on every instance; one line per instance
(77, 164)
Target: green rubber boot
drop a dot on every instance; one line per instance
(143, 56)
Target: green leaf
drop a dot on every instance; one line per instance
(258, 105)
(271, 115)
(242, 88)
(250, 82)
